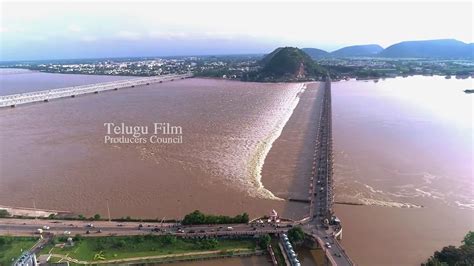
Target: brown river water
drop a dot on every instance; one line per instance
(403, 148)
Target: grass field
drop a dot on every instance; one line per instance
(106, 248)
(12, 247)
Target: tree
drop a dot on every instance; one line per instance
(296, 235)
(264, 241)
(4, 213)
(454, 256)
(97, 217)
(434, 262)
(77, 238)
(449, 254)
(469, 239)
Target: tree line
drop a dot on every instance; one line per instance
(197, 217)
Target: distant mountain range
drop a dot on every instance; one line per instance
(358, 50)
(443, 48)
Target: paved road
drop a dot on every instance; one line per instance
(322, 188)
(59, 227)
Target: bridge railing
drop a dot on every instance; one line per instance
(27, 97)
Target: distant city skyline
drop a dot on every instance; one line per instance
(61, 30)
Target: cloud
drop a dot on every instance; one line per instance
(89, 38)
(128, 35)
(74, 28)
(11, 29)
(169, 35)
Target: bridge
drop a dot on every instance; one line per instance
(47, 95)
(322, 225)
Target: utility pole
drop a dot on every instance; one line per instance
(36, 212)
(108, 209)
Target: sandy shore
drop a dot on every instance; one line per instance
(31, 212)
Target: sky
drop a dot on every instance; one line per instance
(95, 29)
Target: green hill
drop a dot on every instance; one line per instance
(289, 64)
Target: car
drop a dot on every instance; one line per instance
(180, 231)
(140, 225)
(45, 227)
(327, 245)
(67, 232)
(88, 232)
(202, 231)
(99, 231)
(90, 225)
(337, 254)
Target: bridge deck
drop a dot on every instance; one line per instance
(321, 188)
(46, 95)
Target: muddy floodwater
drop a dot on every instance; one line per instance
(403, 148)
(57, 154)
(403, 151)
(14, 81)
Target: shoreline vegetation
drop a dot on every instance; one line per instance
(453, 256)
(194, 218)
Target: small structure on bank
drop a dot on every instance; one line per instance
(274, 217)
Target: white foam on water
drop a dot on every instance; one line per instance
(465, 205)
(384, 203)
(265, 145)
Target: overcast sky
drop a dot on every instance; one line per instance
(47, 30)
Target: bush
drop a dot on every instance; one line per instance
(198, 217)
(4, 213)
(264, 241)
(208, 243)
(296, 235)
